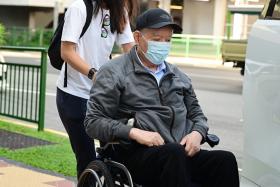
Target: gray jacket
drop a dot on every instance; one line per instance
(125, 89)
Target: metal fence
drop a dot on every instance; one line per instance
(23, 87)
(199, 46)
(202, 46)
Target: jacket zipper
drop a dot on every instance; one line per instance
(172, 110)
(161, 102)
(159, 91)
(172, 124)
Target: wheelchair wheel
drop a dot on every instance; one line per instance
(96, 175)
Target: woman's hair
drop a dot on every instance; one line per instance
(118, 12)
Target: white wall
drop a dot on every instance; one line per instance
(198, 17)
(219, 21)
(39, 19)
(41, 3)
(165, 4)
(29, 13)
(25, 17)
(33, 3)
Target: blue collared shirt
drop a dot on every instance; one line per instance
(158, 74)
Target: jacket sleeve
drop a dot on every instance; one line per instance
(102, 106)
(195, 113)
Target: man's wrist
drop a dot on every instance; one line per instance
(199, 134)
(132, 133)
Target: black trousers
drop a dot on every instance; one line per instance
(168, 166)
(72, 111)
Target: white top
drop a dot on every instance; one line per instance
(93, 48)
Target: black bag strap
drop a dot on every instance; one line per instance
(89, 8)
(65, 76)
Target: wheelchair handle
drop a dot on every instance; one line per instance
(212, 139)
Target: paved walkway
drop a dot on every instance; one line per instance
(14, 175)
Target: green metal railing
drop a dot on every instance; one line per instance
(23, 88)
(185, 45)
(182, 44)
(196, 46)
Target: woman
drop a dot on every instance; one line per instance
(84, 56)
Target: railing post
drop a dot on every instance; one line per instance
(187, 45)
(43, 75)
(41, 38)
(14, 35)
(218, 47)
(228, 24)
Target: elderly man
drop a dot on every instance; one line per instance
(162, 146)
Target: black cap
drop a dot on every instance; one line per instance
(156, 18)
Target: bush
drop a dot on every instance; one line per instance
(22, 36)
(2, 33)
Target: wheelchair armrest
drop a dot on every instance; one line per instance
(212, 139)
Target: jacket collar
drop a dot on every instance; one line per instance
(138, 68)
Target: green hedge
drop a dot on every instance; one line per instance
(20, 36)
(2, 34)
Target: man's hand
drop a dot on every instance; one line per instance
(146, 137)
(192, 142)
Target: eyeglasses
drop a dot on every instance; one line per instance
(105, 23)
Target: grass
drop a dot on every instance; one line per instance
(57, 158)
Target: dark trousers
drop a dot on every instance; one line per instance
(168, 166)
(72, 111)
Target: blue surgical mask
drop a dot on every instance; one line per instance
(157, 51)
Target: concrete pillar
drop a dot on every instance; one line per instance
(185, 17)
(58, 8)
(238, 22)
(32, 20)
(220, 9)
(198, 17)
(245, 27)
(165, 4)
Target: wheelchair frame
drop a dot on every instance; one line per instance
(104, 170)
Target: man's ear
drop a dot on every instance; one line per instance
(136, 35)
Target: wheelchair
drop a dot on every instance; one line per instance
(104, 172)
